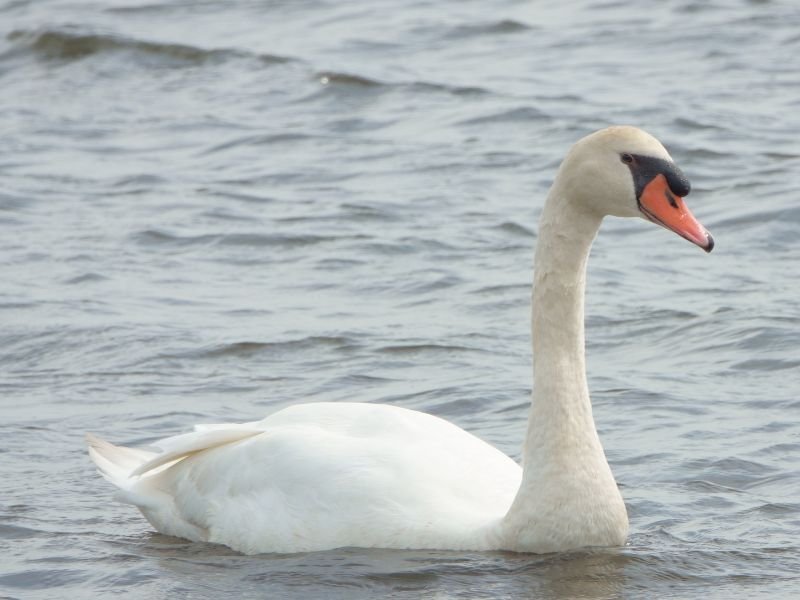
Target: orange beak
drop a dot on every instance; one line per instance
(660, 205)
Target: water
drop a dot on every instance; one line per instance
(211, 210)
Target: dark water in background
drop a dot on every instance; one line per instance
(210, 210)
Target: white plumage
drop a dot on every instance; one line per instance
(325, 475)
(319, 476)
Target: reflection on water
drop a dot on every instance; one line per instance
(214, 210)
(595, 574)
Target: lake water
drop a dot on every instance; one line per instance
(214, 209)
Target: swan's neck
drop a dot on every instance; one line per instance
(565, 472)
(561, 420)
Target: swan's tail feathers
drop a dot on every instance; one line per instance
(180, 446)
(115, 462)
(124, 466)
(120, 464)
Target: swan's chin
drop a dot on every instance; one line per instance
(659, 205)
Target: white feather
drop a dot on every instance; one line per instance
(324, 475)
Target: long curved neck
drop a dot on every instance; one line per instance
(562, 452)
(561, 412)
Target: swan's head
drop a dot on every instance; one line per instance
(626, 172)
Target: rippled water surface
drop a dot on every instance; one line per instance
(211, 210)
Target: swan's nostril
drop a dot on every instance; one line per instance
(672, 214)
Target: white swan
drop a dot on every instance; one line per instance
(327, 475)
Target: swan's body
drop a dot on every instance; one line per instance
(326, 475)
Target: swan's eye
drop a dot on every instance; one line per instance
(627, 159)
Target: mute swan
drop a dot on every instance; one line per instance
(326, 475)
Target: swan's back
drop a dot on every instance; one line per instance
(327, 475)
(319, 476)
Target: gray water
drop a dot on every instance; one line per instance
(211, 210)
